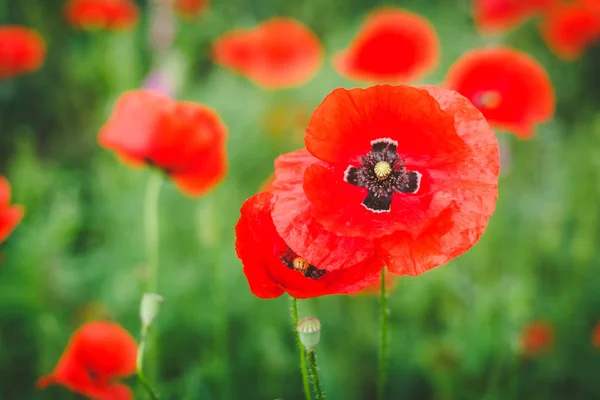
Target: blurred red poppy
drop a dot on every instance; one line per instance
(101, 14)
(537, 338)
(22, 50)
(570, 28)
(415, 170)
(98, 354)
(596, 336)
(511, 89)
(498, 15)
(273, 268)
(185, 140)
(10, 216)
(190, 8)
(278, 53)
(393, 45)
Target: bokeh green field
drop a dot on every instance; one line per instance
(79, 252)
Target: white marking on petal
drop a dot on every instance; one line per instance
(385, 140)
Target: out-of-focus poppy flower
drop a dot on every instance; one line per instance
(393, 45)
(185, 140)
(10, 216)
(570, 28)
(537, 337)
(511, 89)
(414, 170)
(101, 14)
(596, 336)
(498, 15)
(98, 354)
(278, 53)
(374, 288)
(22, 50)
(190, 8)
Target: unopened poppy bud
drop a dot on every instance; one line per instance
(309, 329)
(149, 308)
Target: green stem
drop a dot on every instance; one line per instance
(152, 235)
(383, 349)
(139, 363)
(301, 349)
(312, 359)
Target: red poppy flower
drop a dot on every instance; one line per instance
(278, 53)
(537, 337)
(498, 15)
(511, 89)
(272, 267)
(413, 170)
(22, 50)
(569, 29)
(98, 354)
(101, 14)
(10, 216)
(596, 336)
(393, 45)
(185, 140)
(190, 8)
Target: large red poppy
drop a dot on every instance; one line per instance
(22, 50)
(184, 139)
(498, 15)
(278, 53)
(413, 170)
(102, 14)
(272, 267)
(393, 45)
(10, 216)
(510, 88)
(537, 338)
(596, 336)
(569, 29)
(98, 354)
(190, 8)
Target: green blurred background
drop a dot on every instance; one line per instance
(79, 252)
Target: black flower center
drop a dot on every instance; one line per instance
(292, 261)
(382, 173)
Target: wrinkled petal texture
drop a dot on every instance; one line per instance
(102, 14)
(295, 223)
(537, 337)
(185, 140)
(278, 53)
(394, 45)
(191, 8)
(260, 247)
(10, 216)
(98, 354)
(510, 88)
(22, 50)
(596, 336)
(499, 15)
(569, 29)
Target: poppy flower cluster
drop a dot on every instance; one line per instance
(184, 140)
(536, 338)
(394, 45)
(22, 50)
(98, 354)
(510, 88)
(10, 216)
(102, 14)
(190, 8)
(391, 175)
(499, 15)
(278, 53)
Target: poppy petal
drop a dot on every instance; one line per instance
(9, 219)
(498, 15)
(101, 14)
(22, 50)
(204, 174)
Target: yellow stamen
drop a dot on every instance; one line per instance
(382, 170)
(300, 264)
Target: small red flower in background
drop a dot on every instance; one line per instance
(184, 139)
(10, 216)
(190, 8)
(101, 14)
(569, 29)
(511, 89)
(393, 45)
(537, 337)
(498, 15)
(22, 50)
(98, 354)
(596, 336)
(278, 53)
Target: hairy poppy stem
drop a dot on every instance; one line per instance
(151, 226)
(312, 360)
(383, 349)
(139, 362)
(301, 349)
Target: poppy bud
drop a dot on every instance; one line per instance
(309, 329)
(149, 308)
